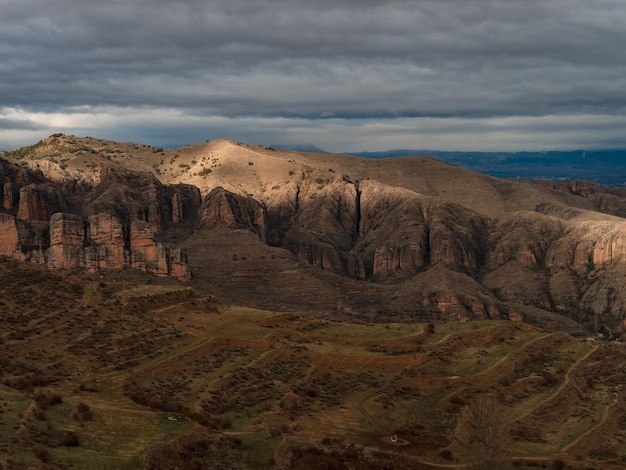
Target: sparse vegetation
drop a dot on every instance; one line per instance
(140, 372)
(195, 380)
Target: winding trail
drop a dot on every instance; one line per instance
(560, 388)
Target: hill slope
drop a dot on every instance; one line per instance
(127, 375)
(403, 238)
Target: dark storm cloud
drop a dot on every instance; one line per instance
(317, 60)
(10, 124)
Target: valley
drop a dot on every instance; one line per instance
(128, 375)
(225, 305)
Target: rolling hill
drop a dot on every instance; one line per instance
(226, 305)
(398, 238)
(128, 375)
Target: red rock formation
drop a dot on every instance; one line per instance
(105, 243)
(145, 254)
(31, 205)
(7, 192)
(226, 209)
(9, 237)
(67, 236)
(177, 208)
(37, 203)
(178, 266)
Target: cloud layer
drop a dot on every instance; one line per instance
(345, 75)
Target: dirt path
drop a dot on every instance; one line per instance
(605, 416)
(560, 388)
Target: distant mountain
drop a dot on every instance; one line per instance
(607, 167)
(299, 148)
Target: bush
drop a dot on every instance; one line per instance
(45, 399)
(83, 412)
(42, 453)
(70, 439)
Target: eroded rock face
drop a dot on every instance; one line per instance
(149, 256)
(7, 193)
(376, 231)
(454, 236)
(325, 228)
(105, 243)
(442, 257)
(589, 246)
(394, 235)
(9, 237)
(111, 226)
(38, 203)
(179, 264)
(524, 237)
(177, 208)
(225, 209)
(67, 236)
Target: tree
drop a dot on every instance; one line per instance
(481, 434)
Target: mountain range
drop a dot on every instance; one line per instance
(226, 305)
(603, 166)
(388, 239)
(607, 167)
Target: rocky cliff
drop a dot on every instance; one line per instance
(408, 238)
(113, 225)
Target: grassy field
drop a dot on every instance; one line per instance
(119, 375)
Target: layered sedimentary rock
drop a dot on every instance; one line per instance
(177, 208)
(7, 194)
(96, 244)
(9, 237)
(67, 236)
(108, 227)
(499, 249)
(325, 228)
(105, 243)
(226, 209)
(38, 203)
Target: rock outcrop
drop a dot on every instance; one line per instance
(226, 209)
(38, 203)
(431, 241)
(67, 237)
(177, 208)
(111, 226)
(105, 244)
(7, 194)
(96, 244)
(9, 236)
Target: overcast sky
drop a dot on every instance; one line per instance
(345, 75)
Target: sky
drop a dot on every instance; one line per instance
(344, 75)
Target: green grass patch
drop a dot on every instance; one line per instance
(368, 330)
(259, 452)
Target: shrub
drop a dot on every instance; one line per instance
(45, 399)
(70, 439)
(84, 412)
(42, 453)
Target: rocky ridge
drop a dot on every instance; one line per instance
(400, 237)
